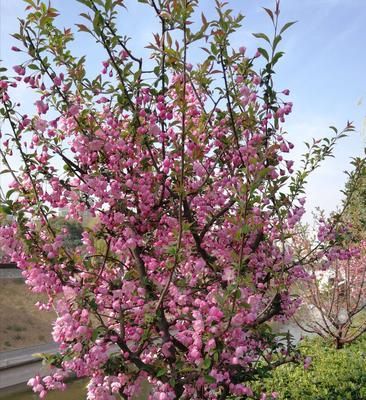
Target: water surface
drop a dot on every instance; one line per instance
(76, 390)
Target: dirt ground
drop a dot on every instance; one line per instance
(21, 323)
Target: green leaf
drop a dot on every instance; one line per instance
(108, 5)
(277, 56)
(269, 12)
(245, 229)
(97, 23)
(10, 192)
(210, 379)
(264, 53)
(82, 28)
(85, 2)
(96, 333)
(286, 26)
(161, 372)
(5, 210)
(262, 36)
(214, 50)
(33, 67)
(333, 128)
(276, 40)
(206, 363)
(7, 171)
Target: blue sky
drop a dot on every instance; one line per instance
(324, 67)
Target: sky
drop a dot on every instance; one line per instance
(324, 68)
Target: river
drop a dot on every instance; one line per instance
(75, 391)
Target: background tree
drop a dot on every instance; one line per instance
(355, 198)
(72, 231)
(334, 298)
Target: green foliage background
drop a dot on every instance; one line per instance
(332, 375)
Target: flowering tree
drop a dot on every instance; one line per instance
(355, 197)
(184, 171)
(334, 298)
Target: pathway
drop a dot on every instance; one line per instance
(18, 366)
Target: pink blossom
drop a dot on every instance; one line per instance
(20, 70)
(42, 107)
(307, 362)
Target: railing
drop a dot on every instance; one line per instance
(8, 266)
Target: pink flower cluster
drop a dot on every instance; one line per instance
(186, 245)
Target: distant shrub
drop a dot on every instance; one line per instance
(332, 375)
(74, 232)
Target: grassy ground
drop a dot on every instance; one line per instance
(21, 323)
